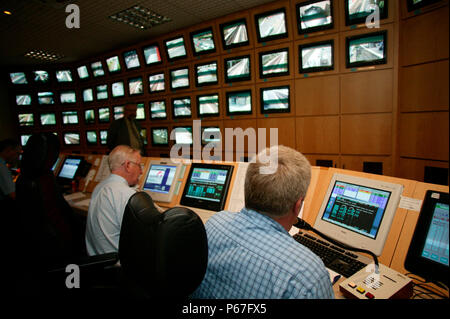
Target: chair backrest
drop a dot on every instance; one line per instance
(162, 254)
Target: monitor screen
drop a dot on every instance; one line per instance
(26, 119)
(140, 111)
(417, 4)
(211, 135)
(89, 116)
(68, 97)
(181, 107)
(48, 119)
(70, 167)
(102, 92)
(237, 69)
(83, 72)
(274, 63)
(179, 78)
(103, 114)
(88, 95)
(156, 82)
(160, 136)
(103, 137)
(239, 102)
(23, 99)
(64, 76)
(160, 180)
(203, 41)
(91, 137)
(97, 69)
(358, 211)
(206, 74)
(72, 138)
(45, 98)
(113, 64)
(175, 48)
(208, 105)
(131, 59)
(40, 76)
(316, 57)
(366, 49)
(117, 89)
(18, 78)
(357, 11)
(118, 112)
(158, 110)
(275, 100)
(152, 55)
(271, 25)
(183, 135)
(207, 186)
(135, 86)
(24, 139)
(70, 117)
(234, 34)
(314, 15)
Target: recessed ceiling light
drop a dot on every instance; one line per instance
(140, 17)
(7, 12)
(43, 55)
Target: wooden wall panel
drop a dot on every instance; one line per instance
(317, 134)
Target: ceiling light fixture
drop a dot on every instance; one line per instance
(139, 17)
(43, 55)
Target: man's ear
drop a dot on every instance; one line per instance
(298, 206)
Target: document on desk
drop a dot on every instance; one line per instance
(74, 196)
(237, 198)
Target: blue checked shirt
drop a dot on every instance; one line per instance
(253, 256)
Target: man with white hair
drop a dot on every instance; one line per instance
(250, 253)
(109, 200)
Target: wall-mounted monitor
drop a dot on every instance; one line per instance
(88, 95)
(179, 78)
(83, 72)
(118, 112)
(156, 82)
(117, 89)
(48, 119)
(63, 76)
(239, 102)
(24, 139)
(131, 59)
(234, 34)
(357, 11)
(175, 48)
(413, 5)
(113, 64)
(97, 69)
(103, 137)
(71, 138)
(158, 110)
(271, 25)
(152, 54)
(103, 114)
(275, 100)
(91, 137)
(143, 133)
(316, 57)
(41, 76)
(26, 119)
(366, 49)
(69, 117)
(315, 15)
(207, 186)
(183, 135)
(161, 178)
(89, 116)
(102, 92)
(45, 98)
(160, 136)
(18, 78)
(274, 63)
(181, 107)
(206, 74)
(208, 105)
(67, 97)
(135, 86)
(237, 69)
(140, 111)
(211, 135)
(23, 99)
(203, 41)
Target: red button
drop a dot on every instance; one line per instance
(369, 295)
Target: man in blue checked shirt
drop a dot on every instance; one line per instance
(251, 254)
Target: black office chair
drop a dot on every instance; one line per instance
(162, 255)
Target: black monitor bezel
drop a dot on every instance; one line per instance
(69, 124)
(134, 78)
(173, 107)
(167, 49)
(149, 83)
(410, 6)
(301, 70)
(109, 114)
(245, 78)
(159, 128)
(150, 109)
(67, 91)
(160, 55)
(171, 79)
(92, 71)
(71, 132)
(197, 84)
(61, 70)
(200, 115)
(360, 20)
(125, 61)
(271, 75)
(25, 75)
(235, 45)
(194, 33)
(96, 137)
(46, 113)
(271, 37)
(300, 30)
(261, 91)
(120, 66)
(349, 64)
(124, 91)
(96, 92)
(229, 93)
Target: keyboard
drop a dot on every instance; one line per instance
(335, 258)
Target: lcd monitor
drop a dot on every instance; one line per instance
(160, 136)
(131, 59)
(70, 117)
(208, 105)
(211, 135)
(97, 69)
(102, 92)
(158, 110)
(357, 11)
(135, 86)
(316, 57)
(181, 107)
(70, 166)
(179, 78)
(237, 69)
(89, 116)
(117, 89)
(67, 97)
(26, 119)
(143, 133)
(40, 76)
(271, 25)
(203, 41)
(156, 82)
(183, 135)
(239, 102)
(88, 95)
(18, 78)
(152, 54)
(103, 137)
(206, 74)
(315, 15)
(161, 178)
(234, 34)
(63, 76)
(24, 139)
(118, 112)
(48, 119)
(207, 186)
(45, 98)
(103, 114)
(413, 5)
(140, 111)
(71, 138)
(23, 99)
(366, 49)
(275, 100)
(113, 64)
(83, 72)
(274, 63)
(91, 137)
(175, 48)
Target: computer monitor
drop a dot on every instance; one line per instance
(113, 64)
(18, 78)
(271, 25)
(83, 72)
(234, 34)
(237, 69)
(26, 119)
(88, 95)
(48, 119)
(71, 138)
(211, 135)
(207, 186)
(91, 137)
(358, 211)
(366, 49)
(203, 41)
(429, 249)
(117, 89)
(175, 48)
(239, 102)
(103, 114)
(102, 92)
(179, 78)
(274, 63)
(64, 76)
(156, 82)
(208, 105)
(413, 5)
(160, 136)
(89, 116)
(357, 11)
(181, 107)
(23, 99)
(68, 97)
(183, 135)
(41, 76)
(161, 179)
(97, 69)
(131, 59)
(275, 100)
(316, 56)
(70, 167)
(135, 86)
(206, 73)
(315, 15)
(158, 110)
(152, 54)
(69, 117)
(45, 98)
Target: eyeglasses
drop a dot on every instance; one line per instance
(141, 165)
